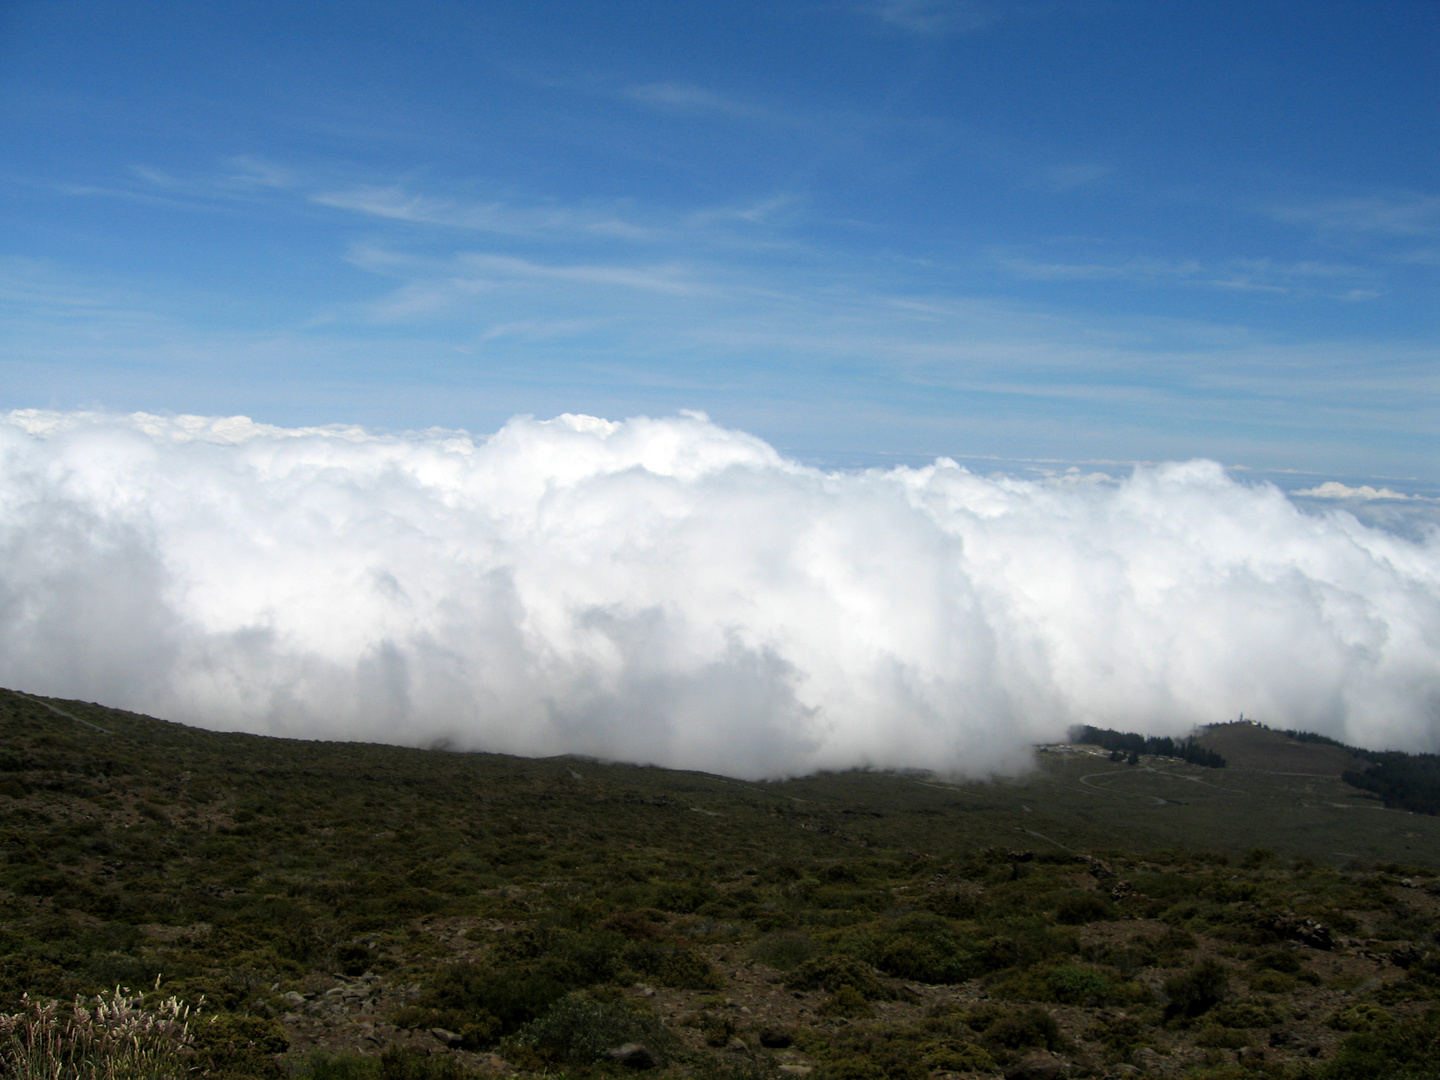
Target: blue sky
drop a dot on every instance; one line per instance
(865, 231)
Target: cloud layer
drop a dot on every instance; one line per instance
(674, 592)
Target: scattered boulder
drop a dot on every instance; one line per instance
(451, 1039)
(1405, 956)
(1147, 1059)
(1037, 1065)
(1306, 931)
(634, 1056)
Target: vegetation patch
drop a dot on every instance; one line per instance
(357, 912)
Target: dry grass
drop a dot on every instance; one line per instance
(115, 1037)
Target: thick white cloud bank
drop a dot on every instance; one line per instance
(669, 591)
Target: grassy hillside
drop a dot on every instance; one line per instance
(1255, 747)
(349, 910)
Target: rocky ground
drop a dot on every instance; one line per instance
(763, 1018)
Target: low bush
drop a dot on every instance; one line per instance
(785, 950)
(579, 1031)
(1003, 1032)
(1118, 1034)
(1196, 991)
(1084, 907)
(395, 1063)
(921, 946)
(847, 1002)
(1408, 1049)
(836, 971)
(1245, 1014)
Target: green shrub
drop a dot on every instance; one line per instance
(395, 1063)
(1408, 1049)
(1084, 907)
(1272, 982)
(832, 972)
(921, 946)
(1171, 946)
(1245, 1014)
(965, 1057)
(686, 898)
(243, 1045)
(579, 1030)
(1362, 1017)
(322, 1066)
(1282, 960)
(846, 1001)
(1196, 991)
(1021, 1029)
(1074, 984)
(784, 951)
(1221, 1037)
(1126, 958)
(670, 964)
(1025, 941)
(1069, 984)
(486, 999)
(1118, 1034)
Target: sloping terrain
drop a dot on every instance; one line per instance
(1246, 745)
(474, 912)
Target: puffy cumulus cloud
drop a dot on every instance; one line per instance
(674, 592)
(1333, 489)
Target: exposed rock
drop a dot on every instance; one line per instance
(796, 1070)
(634, 1056)
(1148, 1060)
(446, 1038)
(1306, 931)
(1037, 1065)
(1405, 956)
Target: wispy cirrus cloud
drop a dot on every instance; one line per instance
(438, 287)
(758, 225)
(671, 279)
(397, 204)
(1409, 215)
(1300, 279)
(1064, 177)
(931, 17)
(686, 98)
(247, 169)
